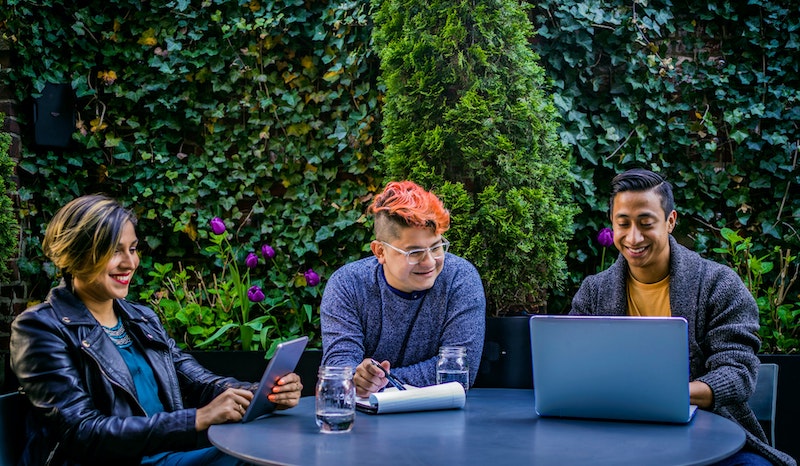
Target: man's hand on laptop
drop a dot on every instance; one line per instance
(700, 394)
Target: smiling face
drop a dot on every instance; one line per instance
(399, 274)
(114, 280)
(641, 233)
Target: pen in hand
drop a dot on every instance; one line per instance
(392, 379)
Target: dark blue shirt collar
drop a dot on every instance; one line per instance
(413, 295)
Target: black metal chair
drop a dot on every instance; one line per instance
(14, 408)
(506, 358)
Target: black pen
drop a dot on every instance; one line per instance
(392, 379)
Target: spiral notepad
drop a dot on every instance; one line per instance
(449, 395)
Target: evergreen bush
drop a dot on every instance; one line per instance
(467, 114)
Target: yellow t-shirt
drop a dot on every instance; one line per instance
(648, 299)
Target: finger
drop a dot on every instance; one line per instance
(283, 397)
(368, 370)
(290, 387)
(238, 409)
(368, 385)
(362, 372)
(289, 379)
(362, 381)
(376, 371)
(241, 393)
(242, 399)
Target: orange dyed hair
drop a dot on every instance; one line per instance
(406, 204)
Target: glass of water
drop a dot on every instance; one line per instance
(452, 366)
(335, 399)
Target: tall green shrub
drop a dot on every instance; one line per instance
(262, 113)
(467, 114)
(707, 93)
(9, 225)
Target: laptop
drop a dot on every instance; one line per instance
(284, 360)
(617, 368)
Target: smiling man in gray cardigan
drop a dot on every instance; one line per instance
(656, 276)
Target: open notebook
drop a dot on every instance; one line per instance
(449, 395)
(623, 368)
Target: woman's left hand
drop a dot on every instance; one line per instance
(286, 393)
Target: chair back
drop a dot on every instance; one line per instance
(14, 408)
(506, 358)
(763, 401)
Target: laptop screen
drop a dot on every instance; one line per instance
(626, 368)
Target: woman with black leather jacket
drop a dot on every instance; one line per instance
(106, 382)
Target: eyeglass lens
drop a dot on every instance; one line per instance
(418, 255)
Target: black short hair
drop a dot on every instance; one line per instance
(639, 179)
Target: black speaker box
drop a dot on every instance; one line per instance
(54, 116)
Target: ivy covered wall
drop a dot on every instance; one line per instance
(708, 93)
(267, 115)
(261, 113)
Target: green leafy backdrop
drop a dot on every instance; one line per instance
(9, 226)
(263, 114)
(708, 93)
(268, 115)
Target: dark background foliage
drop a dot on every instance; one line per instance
(9, 226)
(268, 115)
(263, 114)
(707, 93)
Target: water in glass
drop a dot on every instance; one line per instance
(335, 399)
(452, 366)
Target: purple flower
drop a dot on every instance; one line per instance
(605, 237)
(255, 294)
(251, 261)
(311, 277)
(217, 226)
(267, 251)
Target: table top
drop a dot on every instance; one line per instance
(497, 427)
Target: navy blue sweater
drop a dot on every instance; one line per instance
(362, 317)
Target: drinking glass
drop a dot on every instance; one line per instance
(335, 399)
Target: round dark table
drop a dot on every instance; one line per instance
(496, 427)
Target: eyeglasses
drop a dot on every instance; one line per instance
(416, 256)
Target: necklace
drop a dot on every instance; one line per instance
(118, 334)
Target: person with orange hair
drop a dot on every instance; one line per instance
(411, 297)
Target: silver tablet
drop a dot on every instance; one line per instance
(284, 361)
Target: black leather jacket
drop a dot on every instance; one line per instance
(85, 408)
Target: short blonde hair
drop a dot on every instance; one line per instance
(83, 235)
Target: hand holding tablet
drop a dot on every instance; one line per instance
(283, 362)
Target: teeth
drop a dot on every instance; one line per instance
(636, 250)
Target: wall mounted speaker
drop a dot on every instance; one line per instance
(54, 116)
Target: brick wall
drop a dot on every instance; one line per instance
(13, 295)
